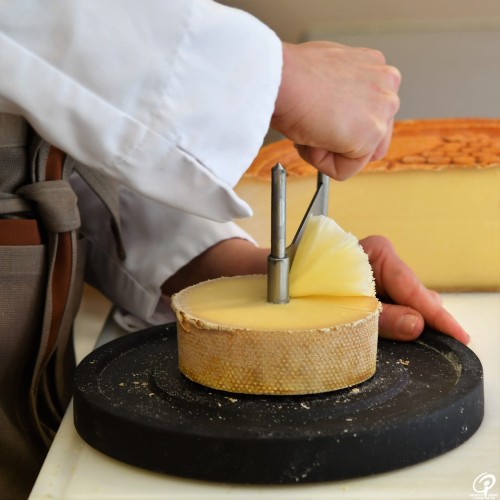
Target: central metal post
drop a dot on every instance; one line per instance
(278, 264)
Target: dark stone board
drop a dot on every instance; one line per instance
(132, 403)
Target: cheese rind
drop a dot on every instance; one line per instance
(230, 338)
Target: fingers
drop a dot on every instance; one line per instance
(320, 158)
(406, 322)
(400, 323)
(394, 76)
(438, 318)
(383, 146)
(341, 167)
(334, 165)
(347, 167)
(436, 297)
(395, 280)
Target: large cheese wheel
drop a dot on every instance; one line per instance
(230, 338)
(436, 196)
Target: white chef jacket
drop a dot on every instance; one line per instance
(158, 241)
(172, 98)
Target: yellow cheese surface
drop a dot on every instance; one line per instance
(241, 303)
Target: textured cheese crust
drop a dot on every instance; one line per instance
(256, 349)
(437, 144)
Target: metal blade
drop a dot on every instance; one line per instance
(318, 206)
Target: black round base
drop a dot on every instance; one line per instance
(132, 403)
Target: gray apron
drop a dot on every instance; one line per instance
(41, 276)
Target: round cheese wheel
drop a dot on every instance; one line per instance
(230, 338)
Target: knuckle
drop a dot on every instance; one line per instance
(390, 104)
(374, 55)
(394, 74)
(383, 242)
(381, 128)
(395, 104)
(378, 56)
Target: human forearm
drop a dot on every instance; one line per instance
(231, 257)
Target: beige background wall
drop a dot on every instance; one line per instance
(448, 51)
(290, 18)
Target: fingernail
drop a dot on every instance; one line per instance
(407, 324)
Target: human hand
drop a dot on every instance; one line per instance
(337, 103)
(410, 305)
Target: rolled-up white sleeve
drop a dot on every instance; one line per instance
(172, 98)
(158, 240)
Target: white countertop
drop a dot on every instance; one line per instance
(75, 471)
